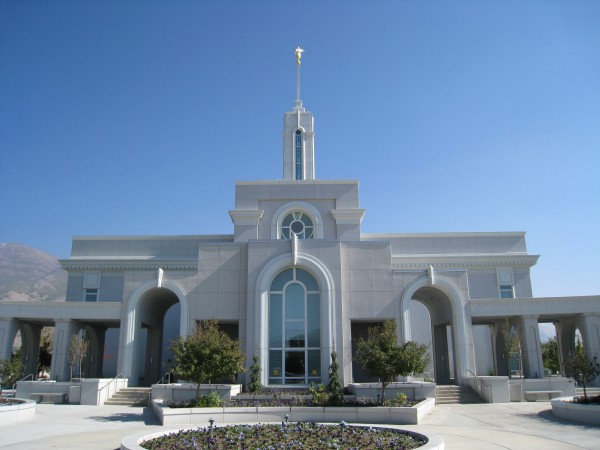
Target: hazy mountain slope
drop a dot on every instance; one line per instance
(28, 274)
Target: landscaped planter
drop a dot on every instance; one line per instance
(563, 408)
(353, 414)
(133, 442)
(87, 391)
(181, 392)
(413, 390)
(23, 410)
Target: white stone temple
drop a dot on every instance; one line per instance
(295, 280)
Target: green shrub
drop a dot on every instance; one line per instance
(212, 400)
(320, 395)
(255, 384)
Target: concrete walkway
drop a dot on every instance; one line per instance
(527, 426)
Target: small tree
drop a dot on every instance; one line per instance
(77, 351)
(380, 355)
(550, 355)
(335, 388)
(10, 370)
(414, 358)
(207, 354)
(255, 383)
(581, 368)
(512, 345)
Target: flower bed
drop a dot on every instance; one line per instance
(291, 436)
(286, 436)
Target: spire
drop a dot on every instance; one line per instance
(298, 52)
(298, 136)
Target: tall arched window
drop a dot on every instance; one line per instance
(298, 152)
(294, 328)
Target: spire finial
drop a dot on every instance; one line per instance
(298, 53)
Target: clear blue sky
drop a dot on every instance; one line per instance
(137, 117)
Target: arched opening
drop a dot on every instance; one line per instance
(509, 350)
(157, 322)
(441, 329)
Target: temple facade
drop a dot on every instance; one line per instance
(296, 280)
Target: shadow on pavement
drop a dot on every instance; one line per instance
(147, 416)
(546, 416)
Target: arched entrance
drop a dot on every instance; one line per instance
(148, 333)
(452, 341)
(440, 313)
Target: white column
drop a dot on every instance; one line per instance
(8, 331)
(533, 365)
(63, 331)
(589, 325)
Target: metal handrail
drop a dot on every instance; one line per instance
(483, 383)
(22, 379)
(120, 375)
(167, 375)
(114, 380)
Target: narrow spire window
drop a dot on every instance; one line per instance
(298, 148)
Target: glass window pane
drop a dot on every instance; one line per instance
(281, 279)
(306, 220)
(275, 368)
(294, 302)
(297, 227)
(313, 324)
(294, 364)
(275, 325)
(287, 220)
(314, 363)
(308, 233)
(294, 334)
(307, 279)
(506, 291)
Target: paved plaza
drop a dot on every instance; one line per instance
(527, 426)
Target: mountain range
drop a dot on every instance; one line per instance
(27, 274)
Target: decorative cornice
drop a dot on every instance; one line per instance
(246, 216)
(294, 182)
(348, 216)
(461, 260)
(127, 264)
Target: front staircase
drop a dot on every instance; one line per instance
(447, 395)
(133, 396)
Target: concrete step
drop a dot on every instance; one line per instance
(591, 391)
(130, 397)
(446, 395)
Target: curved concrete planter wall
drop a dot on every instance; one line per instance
(352, 414)
(576, 412)
(434, 441)
(15, 413)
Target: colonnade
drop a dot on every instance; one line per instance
(64, 330)
(527, 326)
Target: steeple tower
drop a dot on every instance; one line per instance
(298, 137)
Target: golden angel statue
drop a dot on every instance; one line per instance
(298, 53)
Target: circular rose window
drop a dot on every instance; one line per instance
(297, 223)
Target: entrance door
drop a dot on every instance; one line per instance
(442, 361)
